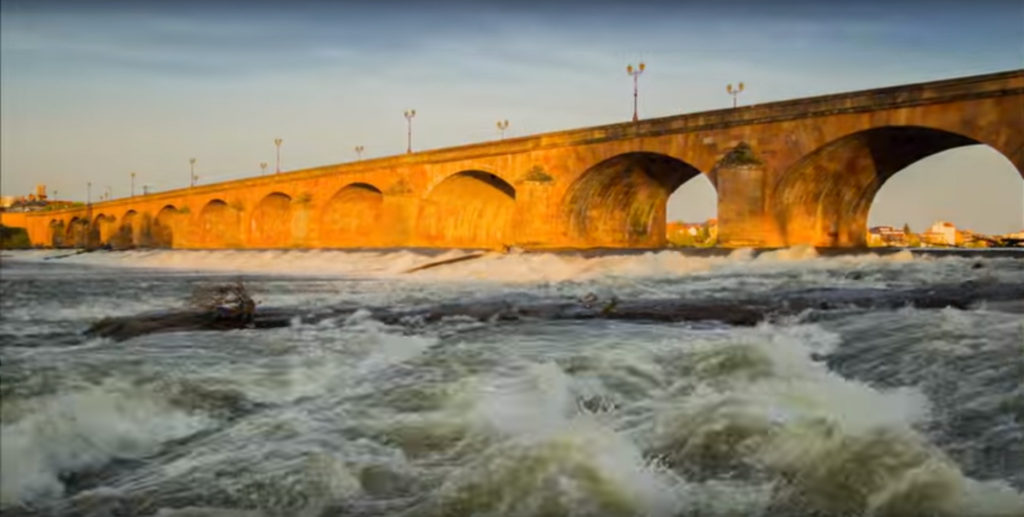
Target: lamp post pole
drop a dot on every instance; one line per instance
(133, 184)
(263, 168)
(359, 152)
(191, 172)
(88, 193)
(409, 114)
(734, 92)
(636, 75)
(502, 126)
(277, 143)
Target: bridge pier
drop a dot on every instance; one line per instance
(740, 180)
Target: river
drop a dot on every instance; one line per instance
(833, 411)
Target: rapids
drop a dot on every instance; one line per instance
(845, 411)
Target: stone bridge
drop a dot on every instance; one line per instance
(791, 172)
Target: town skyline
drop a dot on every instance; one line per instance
(94, 93)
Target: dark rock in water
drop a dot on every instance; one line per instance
(127, 327)
(745, 312)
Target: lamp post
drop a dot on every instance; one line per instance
(734, 92)
(277, 143)
(502, 126)
(359, 152)
(145, 190)
(409, 114)
(636, 74)
(88, 193)
(263, 168)
(133, 184)
(191, 172)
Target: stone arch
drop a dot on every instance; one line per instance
(164, 226)
(824, 198)
(218, 225)
(57, 233)
(621, 201)
(127, 232)
(271, 221)
(352, 217)
(102, 229)
(472, 209)
(77, 232)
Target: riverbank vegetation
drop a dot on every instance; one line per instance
(14, 238)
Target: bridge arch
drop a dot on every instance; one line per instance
(127, 232)
(102, 229)
(352, 217)
(468, 209)
(271, 221)
(621, 201)
(218, 225)
(164, 227)
(77, 232)
(825, 197)
(57, 233)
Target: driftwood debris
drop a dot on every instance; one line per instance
(210, 307)
(746, 311)
(445, 262)
(175, 321)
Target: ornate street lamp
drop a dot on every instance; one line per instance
(133, 184)
(263, 168)
(359, 152)
(734, 92)
(277, 142)
(88, 193)
(192, 172)
(409, 114)
(636, 74)
(502, 126)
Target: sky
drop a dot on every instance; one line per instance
(92, 91)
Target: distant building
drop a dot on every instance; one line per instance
(887, 236)
(712, 227)
(941, 233)
(679, 229)
(31, 202)
(680, 233)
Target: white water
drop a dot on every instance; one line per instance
(480, 418)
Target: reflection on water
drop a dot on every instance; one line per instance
(842, 412)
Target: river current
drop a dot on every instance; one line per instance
(831, 412)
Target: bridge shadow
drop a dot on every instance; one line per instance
(352, 217)
(470, 209)
(622, 200)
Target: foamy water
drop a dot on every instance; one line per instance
(849, 412)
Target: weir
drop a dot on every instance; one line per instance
(802, 171)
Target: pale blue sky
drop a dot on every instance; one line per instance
(92, 91)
